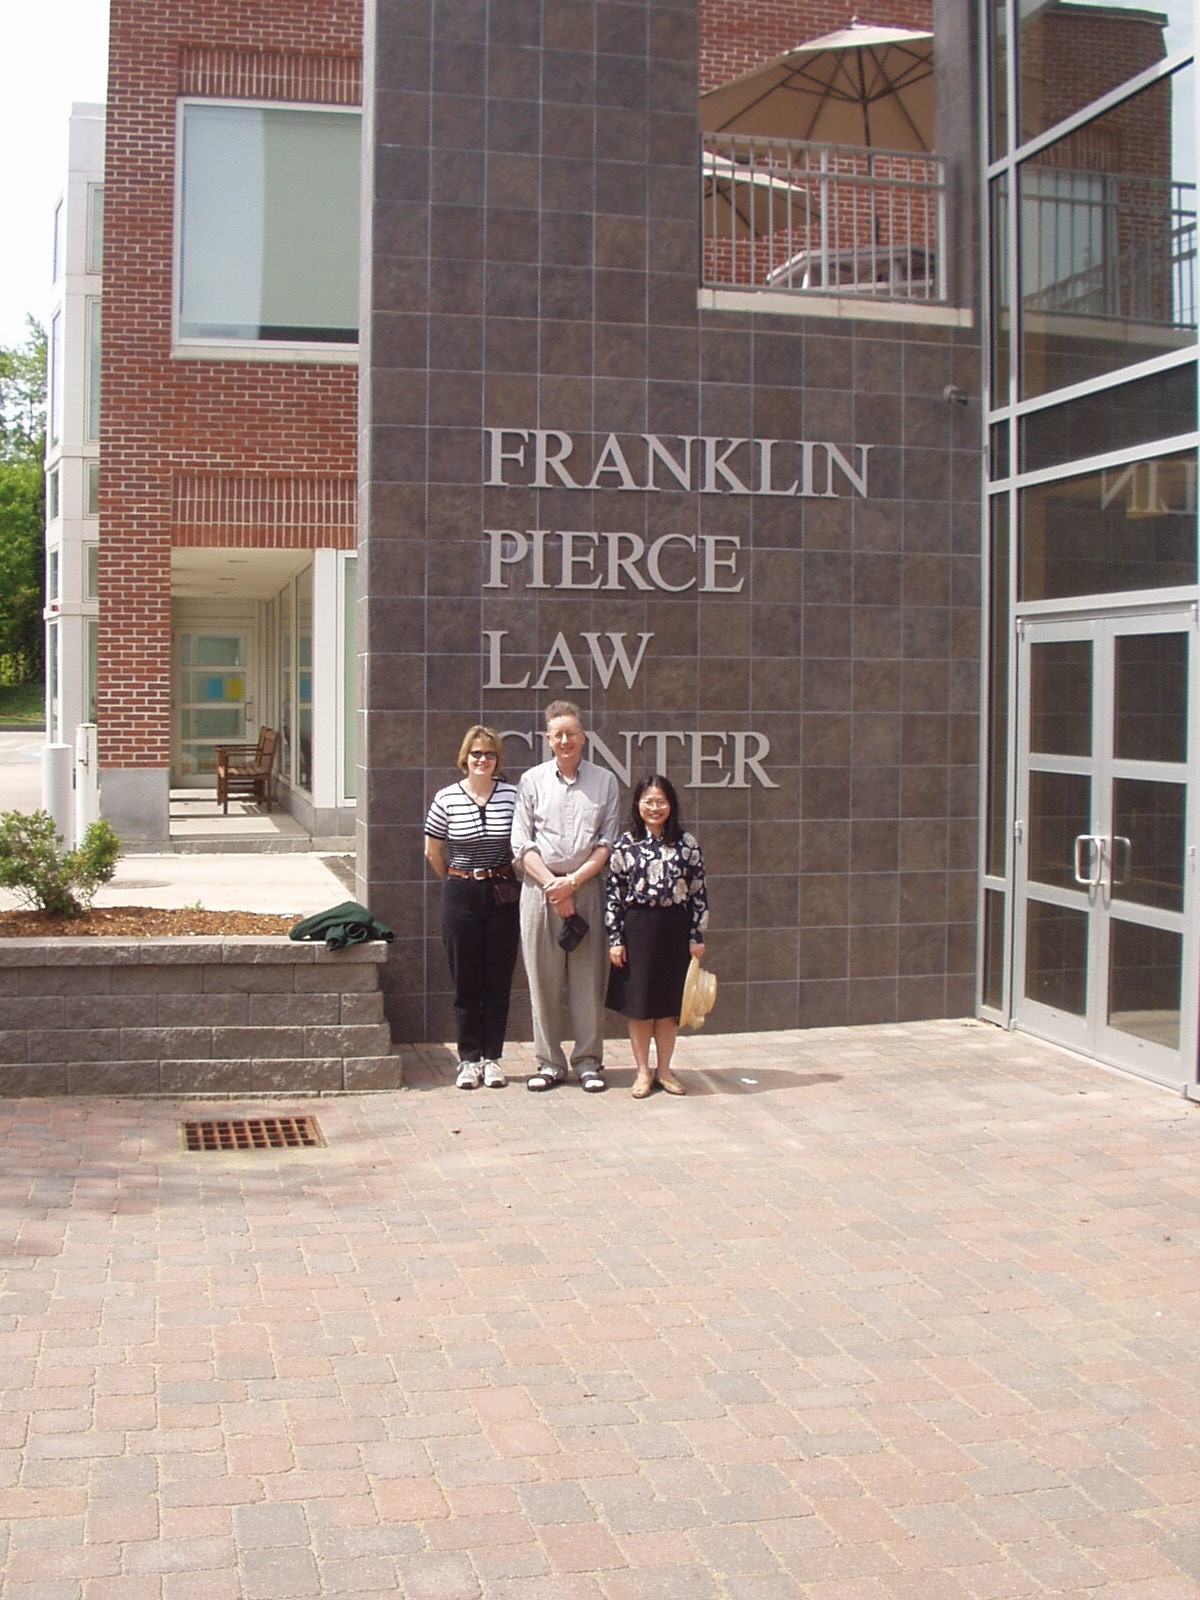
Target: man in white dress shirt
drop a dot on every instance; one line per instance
(565, 825)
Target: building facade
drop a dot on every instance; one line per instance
(852, 487)
(73, 335)
(1089, 913)
(227, 497)
(740, 529)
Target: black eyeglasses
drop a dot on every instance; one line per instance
(482, 755)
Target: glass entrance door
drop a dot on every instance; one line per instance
(1105, 946)
(212, 700)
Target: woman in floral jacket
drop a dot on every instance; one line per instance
(656, 912)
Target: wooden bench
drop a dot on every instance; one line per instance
(247, 770)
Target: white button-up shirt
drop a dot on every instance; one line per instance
(564, 819)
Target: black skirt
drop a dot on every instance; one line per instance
(650, 984)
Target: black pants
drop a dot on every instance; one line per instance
(481, 941)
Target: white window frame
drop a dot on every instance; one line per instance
(314, 350)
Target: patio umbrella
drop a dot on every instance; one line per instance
(862, 86)
(744, 202)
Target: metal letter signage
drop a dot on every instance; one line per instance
(571, 560)
(546, 458)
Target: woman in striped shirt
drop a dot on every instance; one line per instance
(468, 844)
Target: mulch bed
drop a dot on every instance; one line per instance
(141, 922)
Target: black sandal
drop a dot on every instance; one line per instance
(542, 1079)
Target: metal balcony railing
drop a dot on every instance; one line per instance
(1112, 246)
(822, 219)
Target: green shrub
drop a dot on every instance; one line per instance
(35, 866)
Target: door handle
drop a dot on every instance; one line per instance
(1089, 876)
(1122, 859)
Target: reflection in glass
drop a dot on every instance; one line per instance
(1151, 697)
(1060, 810)
(92, 371)
(268, 223)
(1144, 967)
(1148, 843)
(1159, 407)
(993, 949)
(1056, 957)
(1060, 698)
(998, 71)
(1130, 527)
(286, 677)
(998, 440)
(1070, 55)
(1108, 244)
(997, 708)
(212, 695)
(1001, 290)
(350, 677)
(304, 710)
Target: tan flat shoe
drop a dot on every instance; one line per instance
(670, 1082)
(642, 1084)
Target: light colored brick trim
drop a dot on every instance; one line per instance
(230, 73)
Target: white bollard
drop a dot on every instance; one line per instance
(87, 780)
(57, 796)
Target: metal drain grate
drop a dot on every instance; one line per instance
(253, 1133)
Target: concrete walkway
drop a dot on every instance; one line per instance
(254, 875)
(906, 1313)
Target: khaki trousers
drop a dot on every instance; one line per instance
(566, 992)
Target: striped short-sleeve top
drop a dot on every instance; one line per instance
(478, 836)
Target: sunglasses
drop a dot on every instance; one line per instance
(482, 755)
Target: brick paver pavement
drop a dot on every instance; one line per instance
(906, 1313)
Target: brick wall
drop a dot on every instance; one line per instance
(196, 1016)
(165, 422)
(736, 35)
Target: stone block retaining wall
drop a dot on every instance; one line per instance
(191, 1016)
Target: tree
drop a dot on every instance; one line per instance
(22, 506)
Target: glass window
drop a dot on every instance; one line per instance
(92, 430)
(1159, 407)
(55, 363)
(1108, 243)
(349, 676)
(52, 575)
(998, 445)
(996, 853)
(1070, 55)
(90, 689)
(52, 499)
(286, 678)
(1060, 698)
(56, 261)
(1150, 681)
(91, 571)
(998, 69)
(91, 504)
(52, 683)
(95, 241)
(993, 949)
(269, 224)
(304, 709)
(1129, 527)
(1001, 291)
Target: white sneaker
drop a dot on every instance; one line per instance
(493, 1075)
(470, 1074)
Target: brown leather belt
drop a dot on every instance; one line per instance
(480, 873)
